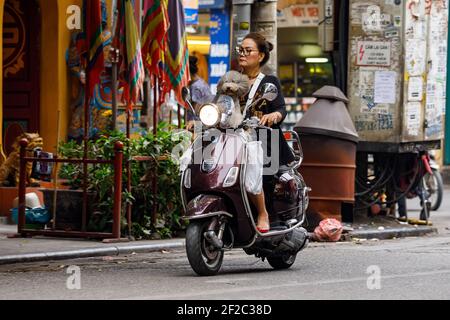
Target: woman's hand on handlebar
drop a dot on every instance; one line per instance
(271, 119)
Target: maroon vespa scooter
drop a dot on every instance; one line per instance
(215, 199)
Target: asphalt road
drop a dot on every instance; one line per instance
(410, 268)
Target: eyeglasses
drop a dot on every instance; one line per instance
(244, 51)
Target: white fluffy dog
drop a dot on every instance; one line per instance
(235, 85)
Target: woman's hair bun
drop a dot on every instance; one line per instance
(269, 46)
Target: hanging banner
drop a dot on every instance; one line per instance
(190, 11)
(219, 56)
(299, 15)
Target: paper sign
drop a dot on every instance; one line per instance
(415, 53)
(385, 87)
(373, 53)
(415, 89)
(413, 118)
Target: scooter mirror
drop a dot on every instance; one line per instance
(186, 93)
(269, 91)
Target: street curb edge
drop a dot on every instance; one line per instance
(87, 253)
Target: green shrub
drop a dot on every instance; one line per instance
(142, 196)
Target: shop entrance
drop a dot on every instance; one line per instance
(21, 69)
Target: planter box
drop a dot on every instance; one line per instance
(69, 208)
(7, 196)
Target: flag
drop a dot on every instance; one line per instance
(93, 43)
(154, 33)
(176, 56)
(131, 69)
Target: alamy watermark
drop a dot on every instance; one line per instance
(73, 282)
(374, 280)
(204, 147)
(73, 21)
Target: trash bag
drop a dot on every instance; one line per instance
(328, 230)
(32, 216)
(254, 173)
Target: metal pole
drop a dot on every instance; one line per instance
(22, 185)
(155, 126)
(118, 160)
(85, 155)
(129, 111)
(128, 205)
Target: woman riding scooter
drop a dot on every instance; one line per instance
(254, 53)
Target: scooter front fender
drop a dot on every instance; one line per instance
(204, 206)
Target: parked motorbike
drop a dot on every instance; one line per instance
(215, 200)
(433, 183)
(428, 186)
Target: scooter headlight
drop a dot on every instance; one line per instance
(210, 115)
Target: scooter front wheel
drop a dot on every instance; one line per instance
(205, 259)
(282, 262)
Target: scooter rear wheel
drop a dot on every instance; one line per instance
(204, 259)
(282, 262)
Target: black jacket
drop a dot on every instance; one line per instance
(266, 107)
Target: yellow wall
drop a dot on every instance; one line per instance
(55, 81)
(55, 39)
(55, 94)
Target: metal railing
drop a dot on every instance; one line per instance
(117, 164)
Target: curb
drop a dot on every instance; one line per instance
(87, 253)
(120, 250)
(389, 233)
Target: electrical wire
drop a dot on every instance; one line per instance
(381, 185)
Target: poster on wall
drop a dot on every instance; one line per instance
(219, 56)
(385, 88)
(415, 56)
(190, 11)
(415, 89)
(413, 117)
(373, 53)
(211, 4)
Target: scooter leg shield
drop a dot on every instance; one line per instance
(204, 206)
